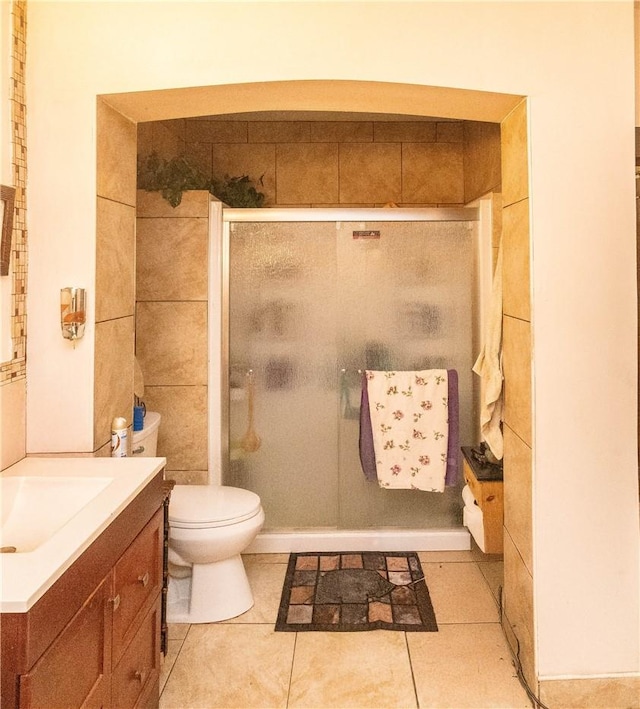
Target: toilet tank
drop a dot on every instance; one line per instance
(145, 442)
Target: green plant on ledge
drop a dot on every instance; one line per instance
(172, 177)
(237, 191)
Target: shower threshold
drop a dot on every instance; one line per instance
(322, 539)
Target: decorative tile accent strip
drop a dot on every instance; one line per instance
(16, 367)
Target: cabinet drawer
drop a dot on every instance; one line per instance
(75, 670)
(139, 666)
(137, 582)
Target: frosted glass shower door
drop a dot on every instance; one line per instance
(282, 326)
(311, 306)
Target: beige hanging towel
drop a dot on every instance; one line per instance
(488, 367)
(410, 426)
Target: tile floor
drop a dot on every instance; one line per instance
(244, 663)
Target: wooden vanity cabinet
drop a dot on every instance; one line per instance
(93, 639)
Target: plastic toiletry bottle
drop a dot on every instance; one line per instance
(119, 438)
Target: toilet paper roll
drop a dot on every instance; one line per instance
(472, 519)
(467, 496)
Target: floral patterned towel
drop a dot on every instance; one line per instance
(409, 418)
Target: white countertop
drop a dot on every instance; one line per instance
(25, 577)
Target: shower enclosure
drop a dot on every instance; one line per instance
(310, 299)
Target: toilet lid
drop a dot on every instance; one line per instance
(211, 505)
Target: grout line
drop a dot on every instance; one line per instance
(413, 679)
(293, 659)
(488, 585)
(174, 662)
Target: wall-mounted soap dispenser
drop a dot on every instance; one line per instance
(72, 312)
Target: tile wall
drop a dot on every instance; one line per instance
(344, 162)
(171, 326)
(13, 372)
(115, 274)
(518, 567)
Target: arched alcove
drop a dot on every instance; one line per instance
(365, 97)
(314, 95)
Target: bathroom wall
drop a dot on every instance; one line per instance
(171, 244)
(13, 31)
(580, 86)
(342, 160)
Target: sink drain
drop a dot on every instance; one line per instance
(8, 550)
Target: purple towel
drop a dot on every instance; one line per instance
(367, 452)
(453, 444)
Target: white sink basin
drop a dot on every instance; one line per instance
(35, 508)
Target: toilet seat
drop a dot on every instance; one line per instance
(206, 506)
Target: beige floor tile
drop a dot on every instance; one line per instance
(460, 594)
(230, 666)
(447, 556)
(267, 558)
(465, 666)
(366, 669)
(168, 661)
(266, 582)
(177, 631)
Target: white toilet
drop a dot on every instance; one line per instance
(209, 527)
(145, 443)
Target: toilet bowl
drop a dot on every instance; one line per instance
(209, 527)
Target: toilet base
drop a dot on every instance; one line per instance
(212, 592)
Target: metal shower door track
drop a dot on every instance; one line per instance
(369, 214)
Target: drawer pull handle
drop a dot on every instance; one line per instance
(144, 580)
(490, 498)
(140, 675)
(116, 602)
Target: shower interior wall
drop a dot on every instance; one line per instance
(460, 159)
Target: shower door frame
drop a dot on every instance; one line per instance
(219, 270)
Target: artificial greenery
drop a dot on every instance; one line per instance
(237, 191)
(172, 177)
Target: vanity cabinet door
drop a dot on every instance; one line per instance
(137, 582)
(75, 671)
(139, 668)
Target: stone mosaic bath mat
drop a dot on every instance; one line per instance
(352, 591)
